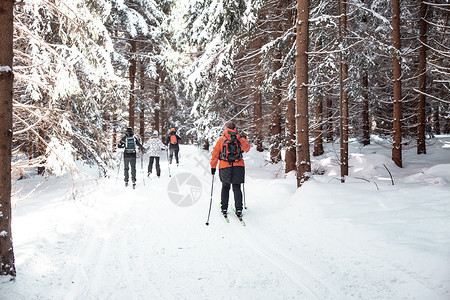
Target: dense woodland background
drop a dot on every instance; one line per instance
(86, 69)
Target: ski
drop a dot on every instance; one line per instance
(239, 217)
(226, 218)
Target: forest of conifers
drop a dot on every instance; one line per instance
(86, 69)
(292, 75)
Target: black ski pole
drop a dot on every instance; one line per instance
(243, 189)
(210, 201)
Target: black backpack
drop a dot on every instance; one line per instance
(231, 149)
(130, 144)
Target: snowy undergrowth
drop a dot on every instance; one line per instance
(365, 239)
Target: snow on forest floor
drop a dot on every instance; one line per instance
(90, 238)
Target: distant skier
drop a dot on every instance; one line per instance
(154, 149)
(130, 142)
(172, 141)
(228, 150)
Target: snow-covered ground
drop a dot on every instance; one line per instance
(90, 238)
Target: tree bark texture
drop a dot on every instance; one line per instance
(132, 70)
(343, 92)
(257, 99)
(157, 104)
(329, 127)
(365, 112)
(114, 133)
(290, 155)
(318, 131)
(421, 148)
(142, 101)
(302, 118)
(437, 122)
(397, 124)
(275, 150)
(7, 265)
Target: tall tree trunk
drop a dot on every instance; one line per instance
(329, 123)
(157, 104)
(302, 121)
(436, 119)
(318, 132)
(41, 149)
(343, 92)
(163, 113)
(275, 150)
(132, 83)
(7, 265)
(257, 97)
(142, 101)
(397, 123)
(290, 155)
(365, 112)
(421, 148)
(114, 133)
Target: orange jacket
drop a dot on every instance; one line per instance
(245, 146)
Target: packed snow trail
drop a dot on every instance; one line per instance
(118, 243)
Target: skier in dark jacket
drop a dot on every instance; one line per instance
(172, 141)
(130, 142)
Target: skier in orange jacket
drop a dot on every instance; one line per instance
(228, 152)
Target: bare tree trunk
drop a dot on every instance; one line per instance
(142, 101)
(275, 150)
(343, 92)
(365, 112)
(436, 120)
(397, 124)
(132, 83)
(41, 148)
(318, 132)
(421, 148)
(302, 121)
(157, 104)
(257, 98)
(7, 265)
(290, 155)
(329, 123)
(163, 113)
(114, 133)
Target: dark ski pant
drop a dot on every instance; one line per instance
(225, 195)
(172, 150)
(150, 165)
(130, 161)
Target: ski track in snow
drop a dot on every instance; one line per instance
(137, 244)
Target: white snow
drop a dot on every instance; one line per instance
(5, 69)
(363, 239)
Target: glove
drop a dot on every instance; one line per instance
(213, 171)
